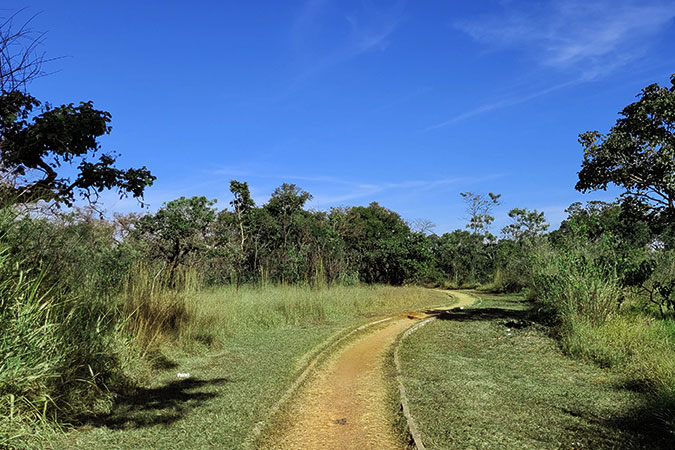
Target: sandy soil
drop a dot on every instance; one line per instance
(344, 406)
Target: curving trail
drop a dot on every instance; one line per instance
(345, 405)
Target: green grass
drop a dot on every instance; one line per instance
(242, 351)
(640, 347)
(473, 385)
(58, 355)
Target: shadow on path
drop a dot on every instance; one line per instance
(145, 407)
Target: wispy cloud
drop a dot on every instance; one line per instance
(590, 38)
(331, 190)
(323, 35)
(357, 190)
(503, 103)
(579, 40)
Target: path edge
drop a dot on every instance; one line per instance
(324, 351)
(410, 421)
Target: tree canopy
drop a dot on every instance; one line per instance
(525, 224)
(638, 154)
(479, 207)
(178, 230)
(34, 147)
(39, 143)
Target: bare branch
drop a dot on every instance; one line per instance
(21, 60)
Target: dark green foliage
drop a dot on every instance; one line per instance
(638, 154)
(35, 145)
(465, 259)
(178, 232)
(385, 249)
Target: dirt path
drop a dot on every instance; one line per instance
(345, 405)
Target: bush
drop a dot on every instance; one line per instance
(575, 283)
(61, 350)
(59, 353)
(582, 291)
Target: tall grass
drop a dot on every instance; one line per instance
(184, 314)
(59, 353)
(153, 301)
(253, 308)
(584, 295)
(575, 285)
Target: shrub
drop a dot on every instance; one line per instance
(574, 283)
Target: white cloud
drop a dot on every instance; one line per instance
(580, 41)
(592, 38)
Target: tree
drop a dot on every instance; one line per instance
(638, 154)
(289, 223)
(242, 204)
(514, 253)
(20, 58)
(37, 140)
(526, 224)
(479, 207)
(179, 230)
(598, 221)
(286, 202)
(382, 243)
(34, 147)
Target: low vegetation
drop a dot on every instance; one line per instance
(491, 377)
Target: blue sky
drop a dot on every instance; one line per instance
(403, 103)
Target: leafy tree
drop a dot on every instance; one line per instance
(638, 154)
(281, 227)
(36, 139)
(383, 245)
(287, 200)
(242, 204)
(178, 231)
(479, 207)
(465, 258)
(609, 223)
(514, 253)
(285, 205)
(34, 147)
(525, 224)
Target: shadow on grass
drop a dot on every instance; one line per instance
(518, 316)
(650, 422)
(644, 423)
(146, 407)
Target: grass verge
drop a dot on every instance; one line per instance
(488, 377)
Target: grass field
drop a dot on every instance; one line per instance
(259, 340)
(488, 377)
